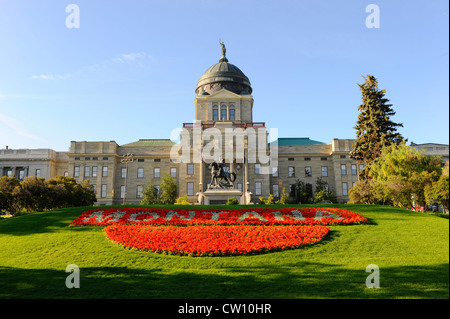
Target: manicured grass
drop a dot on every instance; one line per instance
(411, 250)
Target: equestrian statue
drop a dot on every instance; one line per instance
(221, 178)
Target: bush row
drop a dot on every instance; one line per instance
(37, 194)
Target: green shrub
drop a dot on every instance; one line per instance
(232, 201)
(283, 198)
(182, 201)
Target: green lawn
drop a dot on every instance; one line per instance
(411, 249)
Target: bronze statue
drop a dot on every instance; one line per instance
(224, 50)
(219, 177)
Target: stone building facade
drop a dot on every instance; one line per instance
(33, 162)
(223, 103)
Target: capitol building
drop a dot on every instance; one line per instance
(223, 101)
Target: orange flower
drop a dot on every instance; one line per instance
(214, 240)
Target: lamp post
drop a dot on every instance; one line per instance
(127, 158)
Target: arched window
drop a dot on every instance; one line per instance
(223, 113)
(232, 117)
(215, 113)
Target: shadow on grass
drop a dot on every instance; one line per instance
(297, 280)
(42, 222)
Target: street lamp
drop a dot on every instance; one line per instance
(127, 158)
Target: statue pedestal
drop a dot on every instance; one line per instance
(220, 196)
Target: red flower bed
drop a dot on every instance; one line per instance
(247, 216)
(214, 240)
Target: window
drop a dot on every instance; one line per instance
(275, 191)
(190, 189)
(308, 171)
(94, 171)
(124, 172)
(38, 173)
(87, 171)
(87, 158)
(324, 171)
(157, 188)
(343, 156)
(173, 172)
(232, 117)
(215, 113)
(8, 173)
(223, 113)
(105, 158)
(258, 188)
(157, 172)
(94, 188)
(103, 190)
(21, 174)
(77, 158)
(140, 160)
(291, 159)
(157, 160)
(307, 158)
(95, 158)
(76, 172)
(66, 174)
(239, 187)
(323, 158)
(354, 171)
(257, 168)
(275, 171)
(291, 171)
(344, 189)
(105, 171)
(122, 191)
(361, 167)
(139, 190)
(343, 169)
(190, 169)
(140, 173)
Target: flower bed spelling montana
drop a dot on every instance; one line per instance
(248, 216)
(216, 232)
(214, 240)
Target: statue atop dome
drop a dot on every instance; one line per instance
(224, 52)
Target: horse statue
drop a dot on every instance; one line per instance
(221, 178)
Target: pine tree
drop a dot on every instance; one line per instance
(374, 128)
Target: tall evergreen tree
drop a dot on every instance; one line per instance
(374, 128)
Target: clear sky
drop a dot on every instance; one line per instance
(130, 70)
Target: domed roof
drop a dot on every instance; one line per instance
(225, 74)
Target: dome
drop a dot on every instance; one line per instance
(223, 75)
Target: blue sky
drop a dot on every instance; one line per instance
(130, 70)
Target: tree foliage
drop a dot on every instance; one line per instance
(166, 195)
(301, 192)
(395, 176)
(36, 193)
(438, 191)
(374, 127)
(150, 195)
(168, 190)
(9, 186)
(323, 193)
